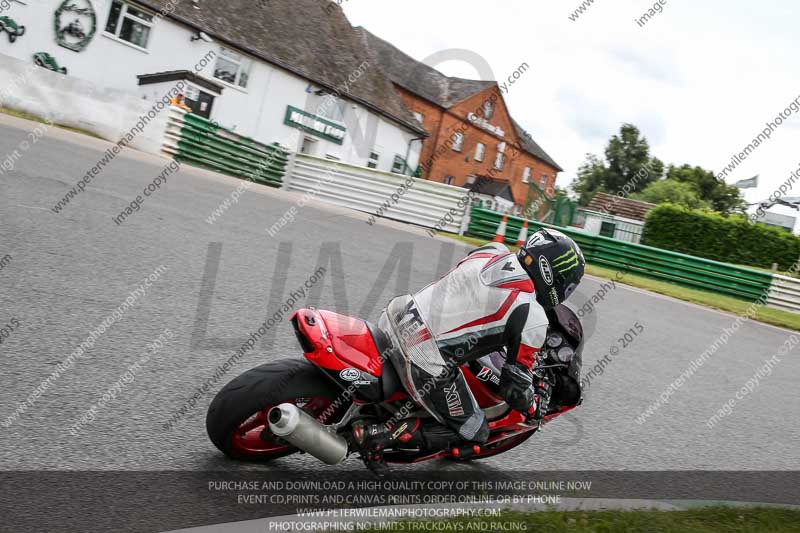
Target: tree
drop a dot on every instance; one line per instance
(629, 163)
(591, 178)
(627, 168)
(674, 192)
(722, 197)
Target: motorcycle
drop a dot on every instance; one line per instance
(313, 405)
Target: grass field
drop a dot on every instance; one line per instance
(768, 315)
(705, 520)
(770, 271)
(34, 118)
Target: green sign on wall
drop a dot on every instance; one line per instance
(315, 125)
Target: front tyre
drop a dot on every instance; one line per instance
(237, 417)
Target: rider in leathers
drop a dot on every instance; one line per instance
(492, 300)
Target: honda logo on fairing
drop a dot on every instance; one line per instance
(547, 272)
(453, 401)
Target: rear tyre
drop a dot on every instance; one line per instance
(237, 417)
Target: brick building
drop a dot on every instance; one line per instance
(472, 135)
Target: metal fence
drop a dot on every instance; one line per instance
(382, 194)
(664, 265)
(195, 140)
(558, 210)
(785, 293)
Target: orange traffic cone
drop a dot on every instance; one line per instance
(500, 236)
(523, 235)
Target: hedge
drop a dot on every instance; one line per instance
(731, 240)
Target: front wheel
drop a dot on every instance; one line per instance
(237, 417)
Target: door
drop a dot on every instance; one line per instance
(608, 229)
(309, 146)
(202, 105)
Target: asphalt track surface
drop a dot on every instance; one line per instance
(68, 271)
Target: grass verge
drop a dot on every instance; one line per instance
(704, 520)
(34, 118)
(789, 274)
(768, 315)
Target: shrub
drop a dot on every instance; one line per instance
(731, 240)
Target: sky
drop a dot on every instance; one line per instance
(700, 79)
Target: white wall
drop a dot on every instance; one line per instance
(257, 111)
(109, 113)
(625, 230)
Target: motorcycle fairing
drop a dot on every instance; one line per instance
(337, 342)
(344, 348)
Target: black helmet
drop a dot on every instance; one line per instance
(555, 263)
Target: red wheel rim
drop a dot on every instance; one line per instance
(253, 436)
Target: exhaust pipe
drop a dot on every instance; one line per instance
(302, 431)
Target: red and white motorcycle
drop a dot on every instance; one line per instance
(309, 405)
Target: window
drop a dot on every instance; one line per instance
(480, 151)
(500, 161)
(543, 181)
(526, 175)
(129, 24)
(232, 68)
(374, 159)
(488, 109)
(399, 165)
(419, 116)
(607, 229)
(449, 180)
(458, 142)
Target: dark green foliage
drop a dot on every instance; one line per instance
(732, 240)
(672, 192)
(627, 167)
(591, 179)
(629, 162)
(723, 197)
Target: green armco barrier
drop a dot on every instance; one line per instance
(686, 270)
(206, 144)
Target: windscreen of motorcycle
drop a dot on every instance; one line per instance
(571, 325)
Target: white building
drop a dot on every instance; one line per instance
(613, 216)
(285, 71)
(777, 220)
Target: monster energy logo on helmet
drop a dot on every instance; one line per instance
(566, 262)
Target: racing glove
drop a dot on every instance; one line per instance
(543, 391)
(516, 387)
